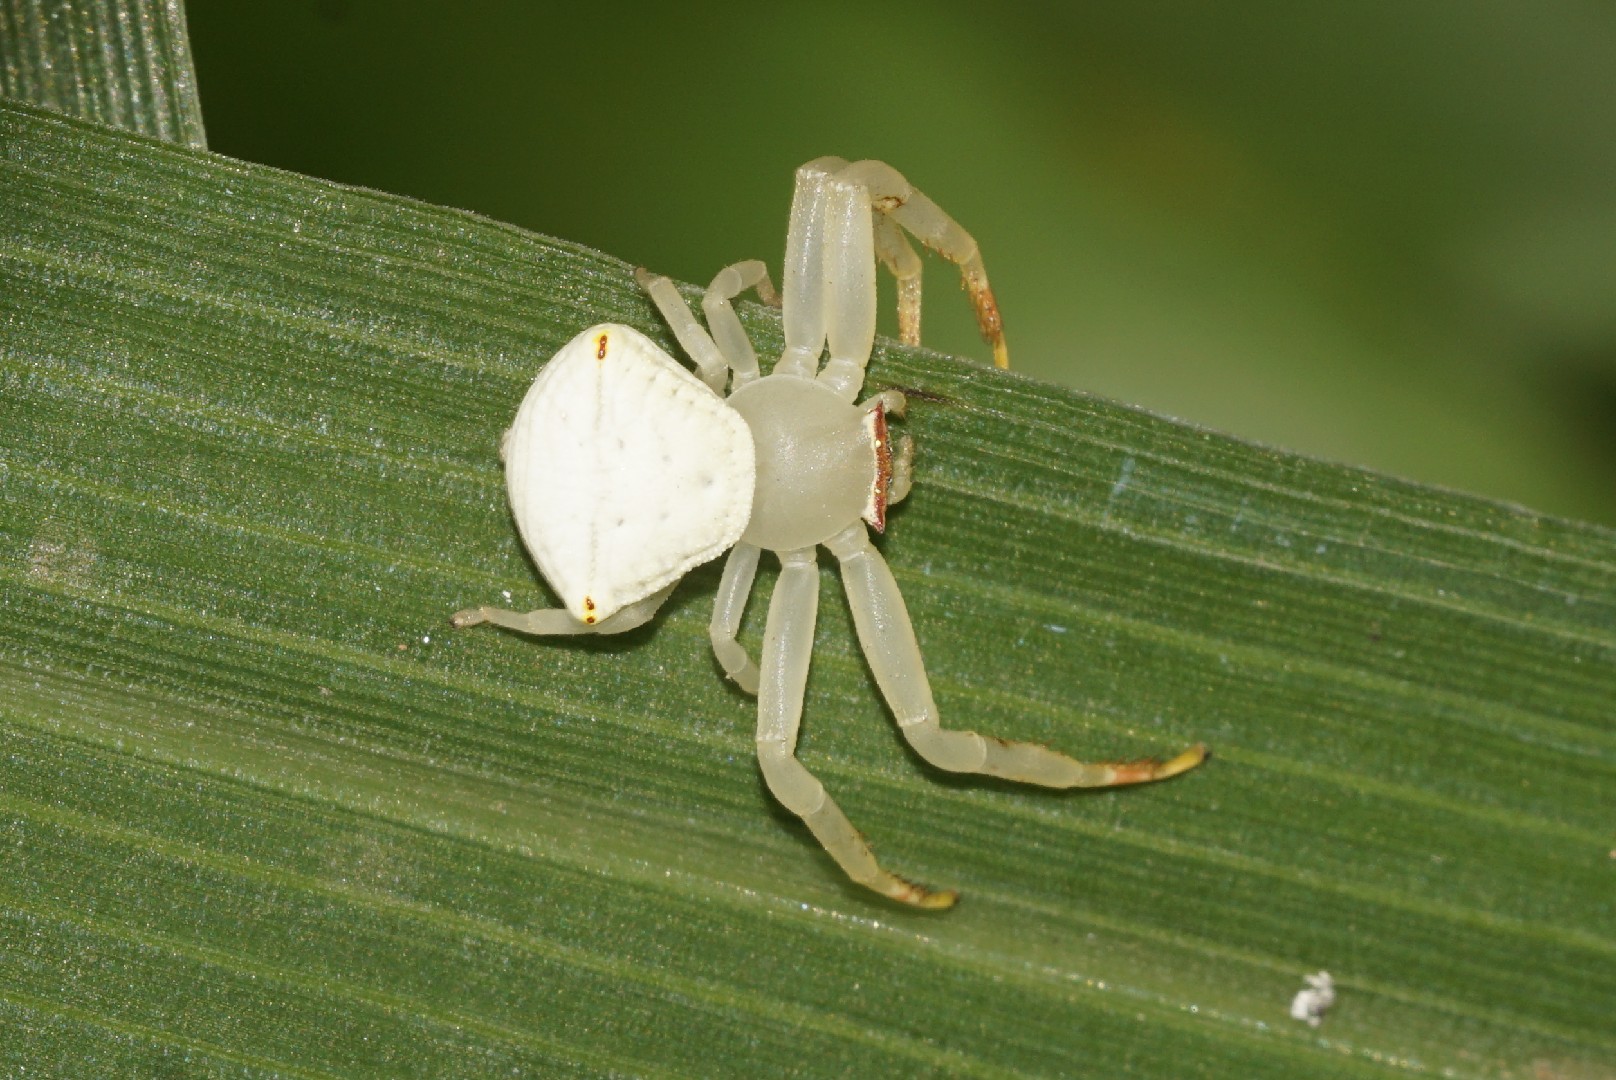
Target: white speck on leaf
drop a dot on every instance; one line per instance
(1124, 474)
(1310, 1005)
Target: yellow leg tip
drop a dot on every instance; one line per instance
(1183, 762)
(1143, 772)
(1001, 355)
(906, 892)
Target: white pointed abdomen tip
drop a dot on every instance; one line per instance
(625, 471)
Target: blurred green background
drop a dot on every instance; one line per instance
(1382, 232)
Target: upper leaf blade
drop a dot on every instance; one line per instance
(121, 62)
(267, 812)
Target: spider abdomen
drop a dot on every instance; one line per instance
(624, 471)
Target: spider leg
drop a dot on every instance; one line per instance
(740, 569)
(843, 218)
(903, 470)
(546, 622)
(787, 649)
(888, 640)
(802, 279)
(891, 401)
(890, 193)
(898, 256)
(849, 297)
(696, 342)
(722, 321)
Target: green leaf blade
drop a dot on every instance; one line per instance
(272, 817)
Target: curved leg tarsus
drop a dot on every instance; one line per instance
(722, 321)
(888, 641)
(935, 229)
(801, 793)
(787, 649)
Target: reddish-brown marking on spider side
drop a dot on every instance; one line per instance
(877, 516)
(600, 347)
(589, 601)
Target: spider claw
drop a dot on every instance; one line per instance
(1148, 769)
(988, 320)
(1184, 762)
(907, 892)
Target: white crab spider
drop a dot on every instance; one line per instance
(625, 471)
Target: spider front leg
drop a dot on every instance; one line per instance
(548, 622)
(848, 262)
(892, 195)
(727, 349)
(725, 325)
(888, 640)
(898, 256)
(802, 279)
(788, 645)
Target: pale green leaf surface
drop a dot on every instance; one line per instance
(265, 814)
(122, 62)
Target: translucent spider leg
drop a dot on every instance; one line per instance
(898, 256)
(725, 325)
(903, 471)
(843, 218)
(888, 641)
(727, 348)
(849, 272)
(546, 622)
(740, 570)
(802, 280)
(891, 194)
(787, 648)
(697, 344)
